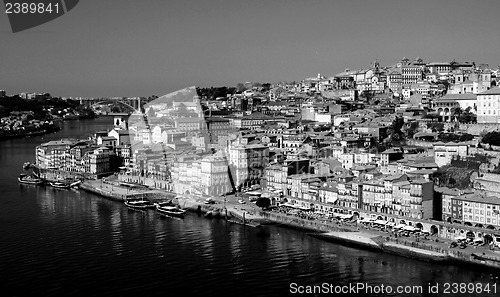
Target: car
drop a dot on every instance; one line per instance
(241, 201)
(209, 201)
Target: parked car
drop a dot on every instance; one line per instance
(209, 201)
(241, 201)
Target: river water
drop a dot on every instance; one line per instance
(69, 243)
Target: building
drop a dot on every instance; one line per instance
(411, 74)
(186, 175)
(247, 162)
(395, 80)
(445, 152)
(97, 161)
(252, 121)
(218, 127)
(214, 175)
(122, 136)
(276, 176)
(190, 125)
(479, 211)
(439, 67)
(488, 106)
(52, 154)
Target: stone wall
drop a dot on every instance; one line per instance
(421, 143)
(477, 129)
(296, 222)
(147, 181)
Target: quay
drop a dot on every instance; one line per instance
(426, 249)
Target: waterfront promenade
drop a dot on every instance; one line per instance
(428, 248)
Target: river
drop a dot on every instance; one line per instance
(70, 243)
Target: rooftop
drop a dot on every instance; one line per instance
(493, 91)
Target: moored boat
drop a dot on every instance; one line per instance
(29, 179)
(138, 204)
(212, 214)
(60, 184)
(169, 210)
(75, 184)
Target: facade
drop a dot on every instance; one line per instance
(445, 152)
(186, 175)
(218, 127)
(480, 211)
(190, 125)
(52, 154)
(488, 106)
(406, 198)
(73, 156)
(439, 67)
(214, 175)
(411, 74)
(247, 162)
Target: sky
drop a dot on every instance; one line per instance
(154, 47)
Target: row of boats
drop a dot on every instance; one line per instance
(165, 208)
(34, 180)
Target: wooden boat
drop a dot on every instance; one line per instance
(75, 184)
(485, 258)
(138, 204)
(29, 179)
(212, 214)
(168, 209)
(60, 184)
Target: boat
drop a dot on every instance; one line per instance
(484, 257)
(60, 184)
(138, 204)
(212, 214)
(75, 184)
(29, 179)
(165, 208)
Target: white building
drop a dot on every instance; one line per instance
(488, 106)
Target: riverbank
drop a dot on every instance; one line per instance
(430, 249)
(29, 134)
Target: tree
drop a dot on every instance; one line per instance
(467, 116)
(410, 128)
(457, 112)
(240, 88)
(436, 126)
(492, 138)
(263, 202)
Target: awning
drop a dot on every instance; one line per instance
(380, 222)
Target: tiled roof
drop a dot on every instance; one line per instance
(493, 91)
